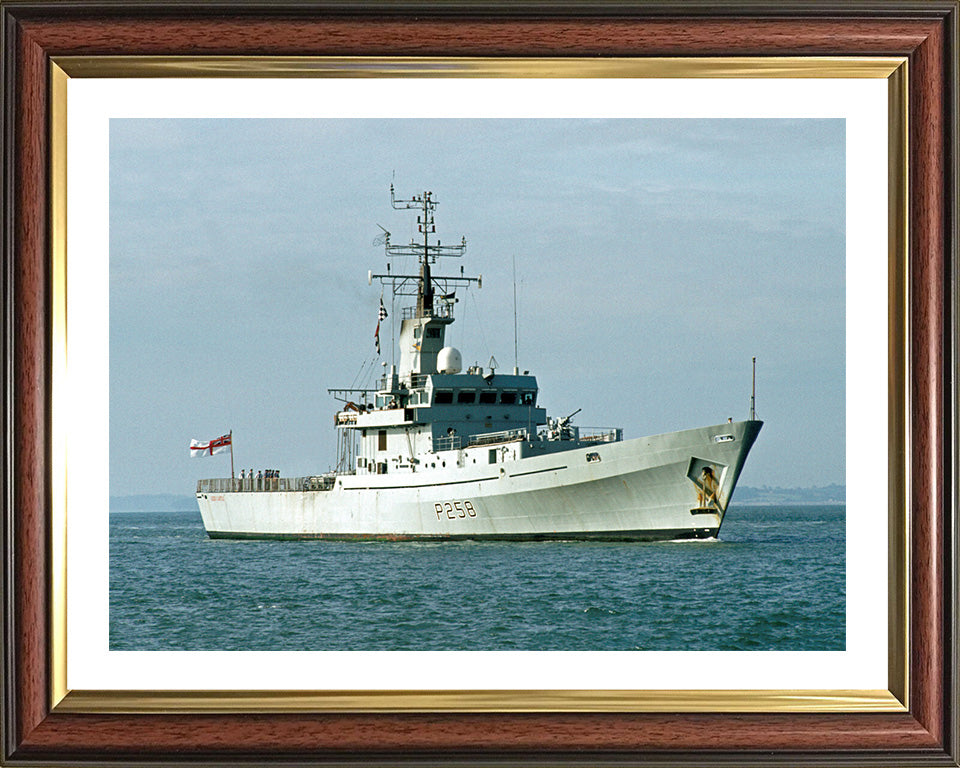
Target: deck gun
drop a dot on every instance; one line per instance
(560, 429)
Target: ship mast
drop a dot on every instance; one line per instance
(427, 254)
(425, 225)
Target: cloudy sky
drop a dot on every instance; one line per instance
(654, 259)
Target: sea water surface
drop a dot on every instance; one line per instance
(774, 580)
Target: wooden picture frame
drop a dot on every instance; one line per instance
(38, 731)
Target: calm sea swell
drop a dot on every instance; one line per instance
(773, 581)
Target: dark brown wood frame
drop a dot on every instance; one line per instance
(925, 32)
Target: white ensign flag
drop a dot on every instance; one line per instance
(211, 447)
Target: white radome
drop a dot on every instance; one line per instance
(449, 360)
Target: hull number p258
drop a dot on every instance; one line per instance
(453, 510)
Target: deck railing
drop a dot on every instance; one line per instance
(448, 443)
(585, 434)
(254, 485)
(440, 309)
(507, 436)
(601, 434)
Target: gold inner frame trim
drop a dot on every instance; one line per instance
(58, 370)
(226, 702)
(893, 69)
(416, 66)
(898, 414)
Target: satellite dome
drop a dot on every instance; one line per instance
(449, 360)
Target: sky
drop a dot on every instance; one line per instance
(653, 257)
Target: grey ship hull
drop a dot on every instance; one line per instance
(640, 490)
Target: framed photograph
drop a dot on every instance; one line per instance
(164, 165)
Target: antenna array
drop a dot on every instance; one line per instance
(424, 284)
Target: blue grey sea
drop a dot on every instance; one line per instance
(774, 580)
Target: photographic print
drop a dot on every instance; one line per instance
(477, 384)
(579, 287)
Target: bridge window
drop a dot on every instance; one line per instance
(528, 398)
(466, 396)
(443, 397)
(508, 398)
(488, 398)
(433, 333)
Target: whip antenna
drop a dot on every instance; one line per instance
(516, 360)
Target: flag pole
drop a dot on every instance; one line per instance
(232, 475)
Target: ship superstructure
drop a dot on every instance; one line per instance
(439, 452)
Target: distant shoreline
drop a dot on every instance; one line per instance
(826, 494)
(744, 496)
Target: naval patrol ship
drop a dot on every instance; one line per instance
(436, 452)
